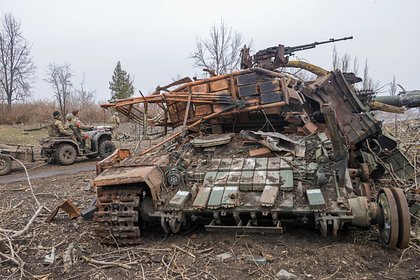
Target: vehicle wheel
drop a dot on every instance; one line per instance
(66, 154)
(388, 217)
(106, 148)
(5, 164)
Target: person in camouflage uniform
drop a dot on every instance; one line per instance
(57, 127)
(70, 127)
(115, 125)
(78, 126)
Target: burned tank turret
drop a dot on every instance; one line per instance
(253, 151)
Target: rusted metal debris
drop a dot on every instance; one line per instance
(68, 207)
(254, 148)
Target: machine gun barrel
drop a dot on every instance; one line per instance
(291, 50)
(274, 57)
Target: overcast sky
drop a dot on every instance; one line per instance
(153, 39)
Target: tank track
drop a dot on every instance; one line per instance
(118, 216)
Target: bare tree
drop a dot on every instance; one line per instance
(59, 77)
(219, 53)
(367, 80)
(82, 96)
(17, 71)
(335, 59)
(393, 86)
(356, 66)
(345, 63)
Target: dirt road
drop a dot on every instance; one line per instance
(40, 171)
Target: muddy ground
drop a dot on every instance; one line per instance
(193, 254)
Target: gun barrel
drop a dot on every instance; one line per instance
(409, 99)
(290, 50)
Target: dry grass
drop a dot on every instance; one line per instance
(16, 135)
(38, 113)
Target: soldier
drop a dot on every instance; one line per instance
(78, 126)
(78, 123)
(57, 127)
(115, 125)
(70, 127)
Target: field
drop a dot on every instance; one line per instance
(17, 135)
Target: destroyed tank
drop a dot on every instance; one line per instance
(254, 151)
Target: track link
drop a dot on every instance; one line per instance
(117, 215)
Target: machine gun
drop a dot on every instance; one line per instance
(274, 57)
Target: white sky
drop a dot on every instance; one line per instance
(153, 39)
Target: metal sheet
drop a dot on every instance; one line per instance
(179, 200)
(200, 202)
(248, 90)
(221, 178)
(261, 163)
(234, 178)
(230, 197)
(269, 195)
(249, 164)
(215, 197)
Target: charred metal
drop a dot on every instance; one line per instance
(252, 151)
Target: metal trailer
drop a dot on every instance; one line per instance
(10, 152)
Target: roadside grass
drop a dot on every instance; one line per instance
(16, 135)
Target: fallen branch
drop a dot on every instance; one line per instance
(106, 263)
(29, 181)
(332, 275)
(25, 229)
(183, 250)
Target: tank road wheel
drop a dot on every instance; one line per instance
(174, 225)
(388, 217)
(164, 225)
(404, 225)
(106, 148)
(5, 164)
(66, 154)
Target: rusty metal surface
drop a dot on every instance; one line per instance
(250, 150)
(404, 225)
(389, 228)
(117, 216)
